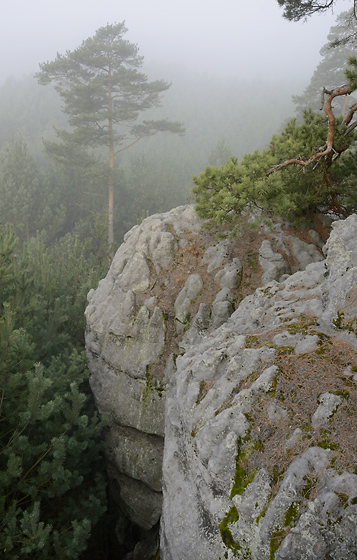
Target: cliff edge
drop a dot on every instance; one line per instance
(227, 372)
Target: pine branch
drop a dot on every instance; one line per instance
(328, 147)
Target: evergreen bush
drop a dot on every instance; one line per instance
(52, 482)
(223, 194)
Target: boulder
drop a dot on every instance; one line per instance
(229, 418)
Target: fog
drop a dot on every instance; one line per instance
(234, 38)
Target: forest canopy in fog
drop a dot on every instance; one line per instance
(221, 77)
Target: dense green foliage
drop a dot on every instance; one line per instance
(52, 483)
(26, 194)
(222, 194)
(308, 168)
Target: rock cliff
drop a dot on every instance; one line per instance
(231, 409)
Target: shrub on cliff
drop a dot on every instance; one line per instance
(306, 169)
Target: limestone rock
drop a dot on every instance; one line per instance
(294, 438)
(215, 256)
(218, 403)
(141, 505)
(316, 238)
(272, 262)
(341, 272)
(275, 261)
(231, 275)
(328, 404)
(220, 422)
(189, 293)
(137, 455)
(304, 253)
(125, 338)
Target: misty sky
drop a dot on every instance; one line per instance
(237, 37)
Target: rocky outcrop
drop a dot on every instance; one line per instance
(259, 462)
(253, 401)
(126, 336)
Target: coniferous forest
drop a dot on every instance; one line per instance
(54, 248)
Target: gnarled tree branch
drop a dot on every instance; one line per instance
(328, 148)
(350, 113)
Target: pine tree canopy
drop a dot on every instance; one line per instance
(52, 482)
(295, 10)
(294, 177)
(331, 69)
(104, 93)
(101, 86)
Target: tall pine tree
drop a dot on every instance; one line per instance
(104, 94)
(331, 70)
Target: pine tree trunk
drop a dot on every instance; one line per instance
(111, 201)
(111, 176)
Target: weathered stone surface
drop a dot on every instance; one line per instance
(272, 262)
(163, 247)
(294, 438)
(328, 404)
(304, 253)
(341, 266)
(307, 344)
(327, 528)
(231, 275)
(208, 397)
(136, 274)
(275, 261)
(189, 293)
(215, 256)
(207, 319)
(140, 347)
(127, 401)
(136, 454)
(316, 238)
(139, 502)
(211, 508)
(125, 338)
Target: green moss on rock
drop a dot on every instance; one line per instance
(231, 517)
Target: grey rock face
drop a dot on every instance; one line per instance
(316, 238)
(272, 262)
(125, 338)
(289, 255)
(215, 256)
(326, 528)
(231, 276)
(294, 438)
(304, 253)
(328, 404)
(189, 293)
(195, 395)
(223, 387)
(341, 264)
